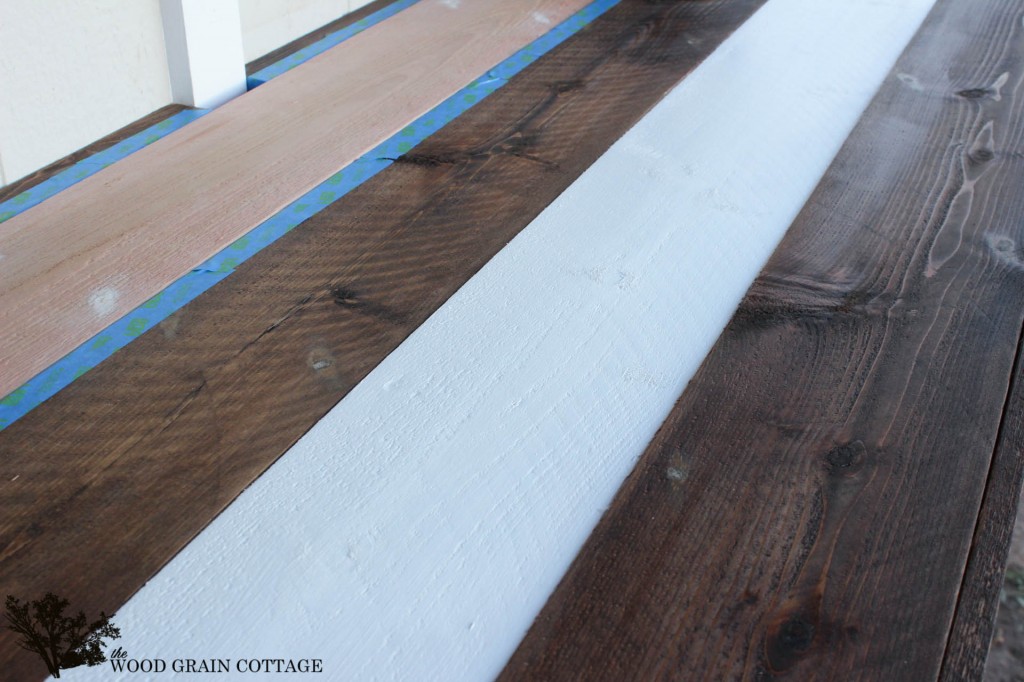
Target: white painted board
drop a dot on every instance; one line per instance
(416, 531)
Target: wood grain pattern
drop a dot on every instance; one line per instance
(807, 509)
(978, 601)
(81, 260)
(103, 483)
(43, 174)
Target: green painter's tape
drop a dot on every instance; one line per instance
(101, 341)
(14, 398)
(137, 326)
(153, 302)
(228, 264)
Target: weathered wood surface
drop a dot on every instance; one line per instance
(103, 483)
(29, 181)
(807, 510)
(86, 257)
(978, 601)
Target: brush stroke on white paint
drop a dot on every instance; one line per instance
(416, 531)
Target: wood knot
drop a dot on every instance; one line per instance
(845, 458)
(789, 641)
(982, 155)
(345, 297)
(796, 634)
(567, 86)
(974, 93)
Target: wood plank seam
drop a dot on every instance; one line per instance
(848, 413)
(186, 387)
(117, 335)
(978, 597)
(128, 249)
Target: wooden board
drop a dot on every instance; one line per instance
(807, 510)
(43, 174)
(315, 35)
(30, 181)
(81, 260)
(978, 602)
(117, 472)
(456, 483)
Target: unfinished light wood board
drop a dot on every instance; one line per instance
(29, 181)
(417, 529)
(84, 258)
(166, 112)
(315, 35)
(161, 436)
(807, 510)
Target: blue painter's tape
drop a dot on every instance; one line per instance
(96, 162)
(215, 269)
(100, 160)
(312, 50)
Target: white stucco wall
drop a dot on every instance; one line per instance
(269, 24)
(73, 71)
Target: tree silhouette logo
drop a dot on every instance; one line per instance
(62, 641)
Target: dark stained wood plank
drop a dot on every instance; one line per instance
(116, 473)
(315, 35)
(978, 604)
(807, 510)
(43, 174)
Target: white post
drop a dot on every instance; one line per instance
(204, 51)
